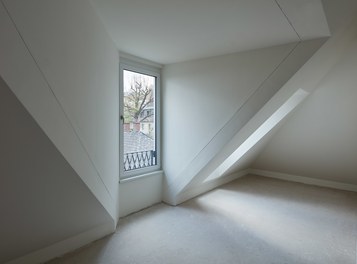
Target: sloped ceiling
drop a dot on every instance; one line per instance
(202, 164)
(319, 140)
(339, 13)
(174, 31)
(42, 199)
(319, 69)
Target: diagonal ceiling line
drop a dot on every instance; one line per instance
(257, 90)
(56, 98)
(181, 188)
(287, 18)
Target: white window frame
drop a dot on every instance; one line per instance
(148, 69)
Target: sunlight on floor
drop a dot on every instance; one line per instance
(291, 226)
(253, 220)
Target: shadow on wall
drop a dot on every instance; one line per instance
(42, 199)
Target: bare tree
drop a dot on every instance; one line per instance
(138, 97)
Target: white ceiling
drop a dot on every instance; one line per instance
(166, 31)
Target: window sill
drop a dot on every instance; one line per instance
(134, 178)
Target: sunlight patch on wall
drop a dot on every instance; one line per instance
(259, 133)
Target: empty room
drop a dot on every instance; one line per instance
(164, 132)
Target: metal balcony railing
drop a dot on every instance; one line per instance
(139, 160)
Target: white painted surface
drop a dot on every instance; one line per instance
(66, 74)
(199, 97)
(307, 17)
(56, 68)
(204, 187)
(256, 136)
(187, 30)
(199, 119)
(319, 140)
(65, 246)
(339, 13)
(305, 180)
(278, 107)
(308, 78)
(42, 199)
(140, 192)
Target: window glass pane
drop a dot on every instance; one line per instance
(139, 120)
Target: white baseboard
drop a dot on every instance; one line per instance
(65, 246)
(305, 180)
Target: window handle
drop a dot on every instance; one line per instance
(122, 118)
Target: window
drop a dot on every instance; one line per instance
(140, 128)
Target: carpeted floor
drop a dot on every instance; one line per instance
(253, 220)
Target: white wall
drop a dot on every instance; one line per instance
(64, 69)
(42, 199)
(319, 141)
(199, 97)
(140, 192)
(61, 65)
(340, 13)
(202, 98)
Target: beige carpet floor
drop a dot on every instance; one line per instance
(253, 220)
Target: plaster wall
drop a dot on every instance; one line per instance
(199, 97)
(140, 192)
(61, 64)
(319, 140)
(42, 199)
(207, 102)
